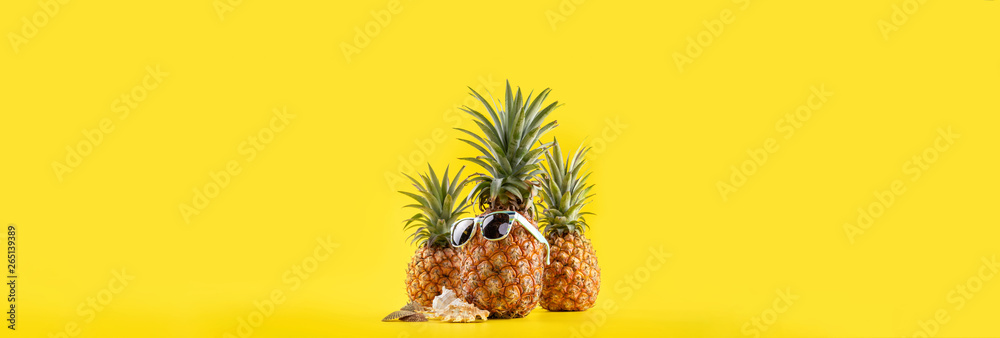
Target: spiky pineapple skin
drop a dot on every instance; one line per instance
(505, 276)
(573, 278)
(430, 269)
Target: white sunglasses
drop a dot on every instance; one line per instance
(495, 226)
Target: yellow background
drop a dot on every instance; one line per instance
(356, 122)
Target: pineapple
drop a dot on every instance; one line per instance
(435, 264)
(505, 276)
(573, 278)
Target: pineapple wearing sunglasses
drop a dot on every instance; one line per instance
(435, 264)
(573, 279)
(503, 253)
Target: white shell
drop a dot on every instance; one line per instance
(449, 308)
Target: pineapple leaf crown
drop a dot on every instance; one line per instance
(436, 199)
(564, 191)
(508, 150)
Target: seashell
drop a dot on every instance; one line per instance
(449, 308)
(440, 303)
(416, 317)
(414, 306)
(446, 307)
(462, 312)
(398, 315)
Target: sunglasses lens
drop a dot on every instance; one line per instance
(496, 226)
(462, 231)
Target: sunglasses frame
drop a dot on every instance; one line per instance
(477, 225)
